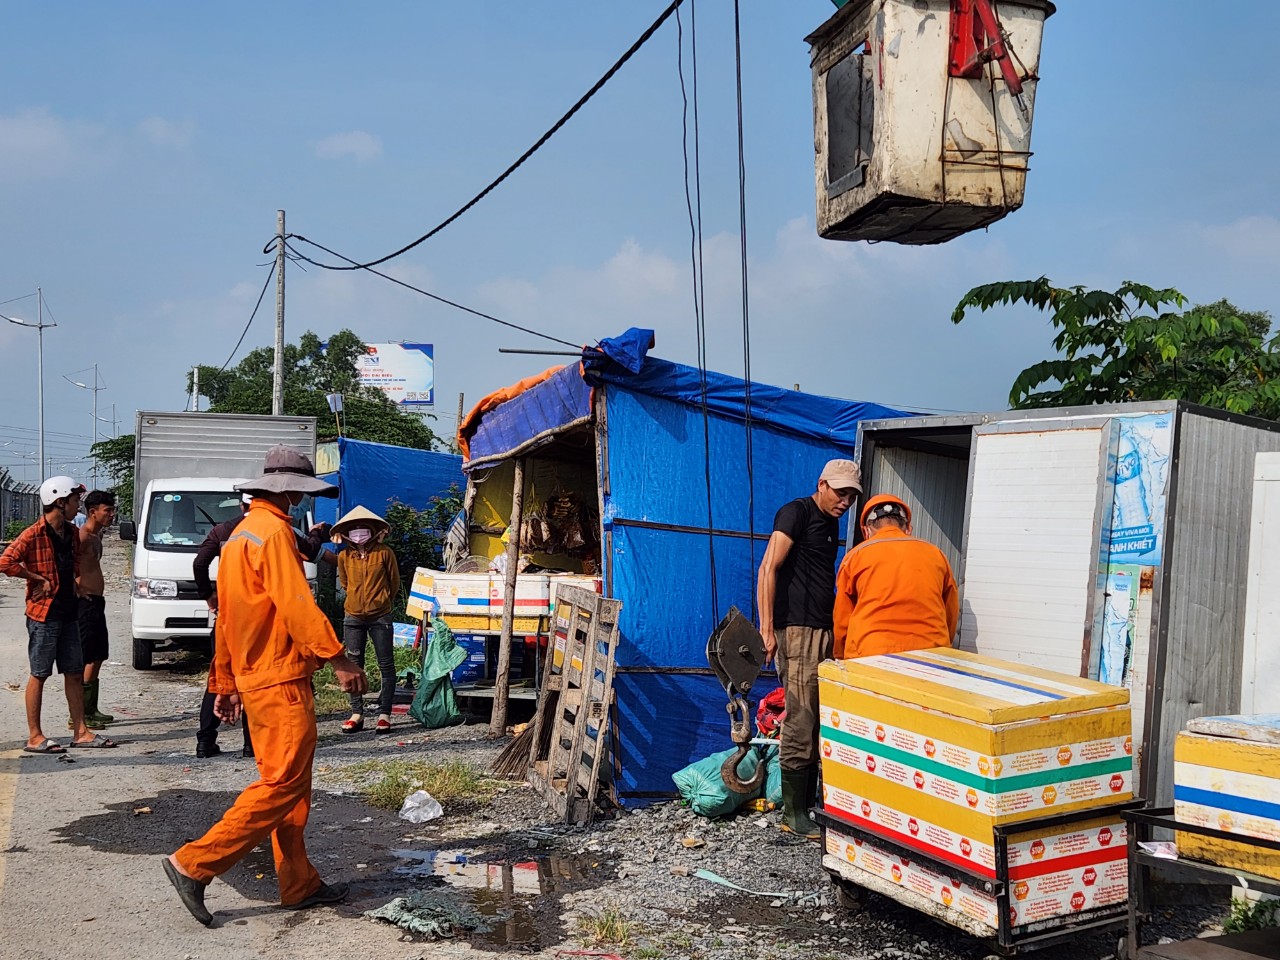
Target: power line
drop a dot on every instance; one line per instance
(25, 296)
(427, 293)
(555, 128)
(50, 433)
(243, 333)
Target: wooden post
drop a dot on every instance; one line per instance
(502, 683)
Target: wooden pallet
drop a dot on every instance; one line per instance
(571, 736)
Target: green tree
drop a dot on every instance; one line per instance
(1139, 344)
(312, 369)
(116, 457)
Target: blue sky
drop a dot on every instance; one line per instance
(145, 147)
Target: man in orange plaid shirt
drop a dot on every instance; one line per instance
(47, 556)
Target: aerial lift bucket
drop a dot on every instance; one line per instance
(922, 115)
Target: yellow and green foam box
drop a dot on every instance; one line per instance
(1232, 785)
(934, 748)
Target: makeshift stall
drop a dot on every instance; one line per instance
(636, 443)
(984, 794)
(1105, 542)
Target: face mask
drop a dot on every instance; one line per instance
(360, 535)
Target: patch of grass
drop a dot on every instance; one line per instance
(1252, 915)
(388, 782)
(609, 927)
(646, 953)
(330, 699)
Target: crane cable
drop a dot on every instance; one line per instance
(746, 300)
(555, 128)
(693, 202)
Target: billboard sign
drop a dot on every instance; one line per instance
(405, 372)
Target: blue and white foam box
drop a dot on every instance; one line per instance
(404, 634)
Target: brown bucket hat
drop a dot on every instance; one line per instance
(286, 470)
(361, 517)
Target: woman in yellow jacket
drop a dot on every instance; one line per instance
(370, 574)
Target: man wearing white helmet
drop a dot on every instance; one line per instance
(47, 556)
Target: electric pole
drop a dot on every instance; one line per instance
(40, 366)
(195, 389)
(277, 379)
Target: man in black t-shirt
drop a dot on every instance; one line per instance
(796, 592)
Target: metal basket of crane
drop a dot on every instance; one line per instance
(922, 115)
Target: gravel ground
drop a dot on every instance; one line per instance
(635, 871)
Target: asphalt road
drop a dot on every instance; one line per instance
(80, 872)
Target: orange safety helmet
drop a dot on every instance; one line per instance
(877, 505)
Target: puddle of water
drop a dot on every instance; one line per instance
(505, 892)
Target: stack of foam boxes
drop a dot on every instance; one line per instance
(1226, 776)
(933, 751)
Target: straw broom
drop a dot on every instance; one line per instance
(513, 761)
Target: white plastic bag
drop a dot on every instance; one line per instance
(420, 807)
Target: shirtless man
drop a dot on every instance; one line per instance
(100, 513)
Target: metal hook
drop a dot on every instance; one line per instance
(740, 724)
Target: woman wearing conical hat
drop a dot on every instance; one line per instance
(369, 573)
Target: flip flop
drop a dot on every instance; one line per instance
(97, 743)
(47, 746)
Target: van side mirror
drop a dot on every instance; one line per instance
(128, 531)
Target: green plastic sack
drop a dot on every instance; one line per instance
(702, 787)
(434, 705)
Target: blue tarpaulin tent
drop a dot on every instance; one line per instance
(376, 474)
(655, 463)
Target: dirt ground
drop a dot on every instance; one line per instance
(80, 849)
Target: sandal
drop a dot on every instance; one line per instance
(353, 726)
(382, 726)
(46, 746)
(97, 743)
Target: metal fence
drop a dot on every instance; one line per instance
(18, 501)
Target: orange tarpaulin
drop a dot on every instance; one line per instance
(471, 422)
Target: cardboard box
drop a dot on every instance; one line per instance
(464, 593)
(934, 749)
(1231, 785)
(1057, 876)
(963, 742)
(533, 595)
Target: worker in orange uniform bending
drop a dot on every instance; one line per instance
(894, 592)
(271, 637)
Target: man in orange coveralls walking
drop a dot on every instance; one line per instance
(271, 638)
(894, 593)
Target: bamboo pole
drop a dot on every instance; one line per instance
(502, 683)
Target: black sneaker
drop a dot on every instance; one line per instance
(204, 751)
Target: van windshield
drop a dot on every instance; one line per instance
(180, 520)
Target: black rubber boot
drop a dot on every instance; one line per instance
(209, 722)
(795, 812)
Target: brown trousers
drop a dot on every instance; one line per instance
(800, 650)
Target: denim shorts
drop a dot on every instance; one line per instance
(54, 641)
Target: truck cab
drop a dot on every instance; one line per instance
(175, 517)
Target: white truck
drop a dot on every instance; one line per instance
(186, 466)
